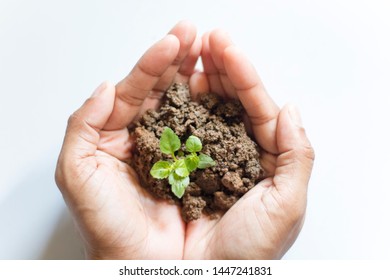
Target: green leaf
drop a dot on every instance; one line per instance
(205, 161)
(192, 162)
(178, 184)
(180, 168)
(169, 141)
(161, 169)
(193, 144)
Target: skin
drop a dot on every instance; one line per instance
(118, 219)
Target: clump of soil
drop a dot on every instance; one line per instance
(220, 127)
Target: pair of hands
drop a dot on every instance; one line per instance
(118, 219)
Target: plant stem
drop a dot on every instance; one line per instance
(173, 155)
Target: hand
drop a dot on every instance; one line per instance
(265, 222)
(117, 218)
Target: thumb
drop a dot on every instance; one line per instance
(296, 155)
(84, 125)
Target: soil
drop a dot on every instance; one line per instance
(220, 127)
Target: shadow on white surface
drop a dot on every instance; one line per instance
(35, 223)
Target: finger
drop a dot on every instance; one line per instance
(188, 65)
(82, 134)
(198, 84)
(180, 70)
(185, 31)
(261, 109)
(268, 162)
(295, 162)
(132, 90)
(219, 41)
(209, 67)
(187, 68)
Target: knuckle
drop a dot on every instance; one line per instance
(59, 175)
(67, 173)
(178, 60)
(75, 123)
(259, 120)
(147, 70)
(131, 93)
(307, 150)
(308, 153)
(73, 119)
(132, 100)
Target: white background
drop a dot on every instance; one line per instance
(330, 58)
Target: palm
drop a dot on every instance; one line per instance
(233, 235)
(251, 229)
(126, 217)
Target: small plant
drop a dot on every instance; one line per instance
(178, 170)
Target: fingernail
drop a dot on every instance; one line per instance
(295, 115)
(100, 89)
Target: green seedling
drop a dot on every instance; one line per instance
(179, 168)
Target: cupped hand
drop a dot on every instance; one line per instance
(265, 222)
(116, 217)
(119, 219)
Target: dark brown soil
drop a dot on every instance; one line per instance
(220, 127)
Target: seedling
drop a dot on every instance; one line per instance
(179, 168)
